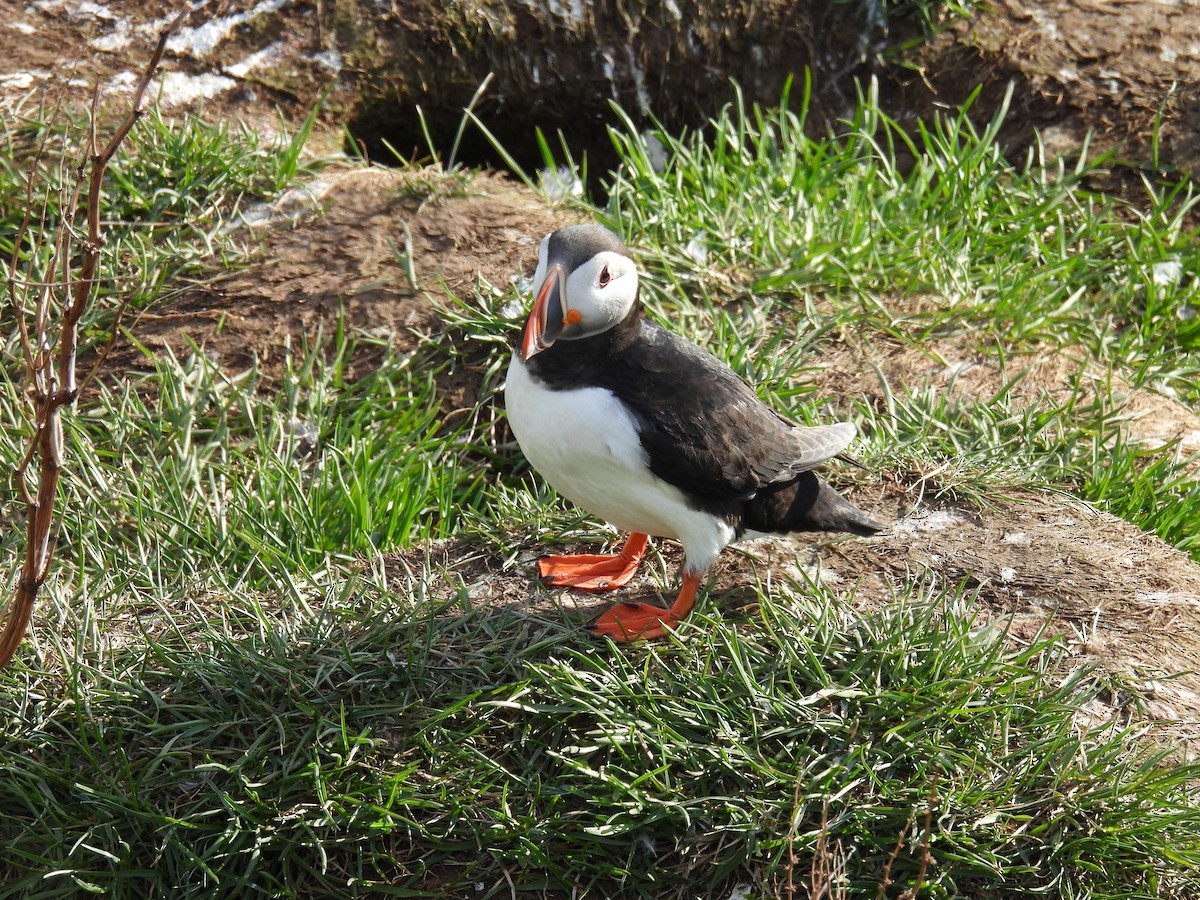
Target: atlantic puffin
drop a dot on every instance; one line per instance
(652, 434)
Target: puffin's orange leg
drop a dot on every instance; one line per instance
(643, 621)
(586, 572)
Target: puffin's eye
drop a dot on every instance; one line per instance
(605, 278)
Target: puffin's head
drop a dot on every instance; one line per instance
(585, 284)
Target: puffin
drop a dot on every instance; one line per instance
(653, 434)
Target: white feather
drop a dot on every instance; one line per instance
(585, 444)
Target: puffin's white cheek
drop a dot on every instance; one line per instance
(613, 306)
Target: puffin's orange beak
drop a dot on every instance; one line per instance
(546, 319)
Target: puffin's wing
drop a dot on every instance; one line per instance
(704, 429)
(818, 444)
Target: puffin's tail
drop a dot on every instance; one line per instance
(806, 504)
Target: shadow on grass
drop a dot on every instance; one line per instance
(445, 748)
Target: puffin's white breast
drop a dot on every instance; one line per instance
(585, 443)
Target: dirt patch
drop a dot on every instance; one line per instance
(1126, 70)
(379, 248)
(1125, 599)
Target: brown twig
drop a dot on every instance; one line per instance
(820, 876)
(827, 868)
(887, 868)
(791, 863)
(50, 387)
(926, 856)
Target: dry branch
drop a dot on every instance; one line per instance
(50, 354)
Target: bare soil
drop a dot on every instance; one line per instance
(340, 248)
(1125, 599)
(1128, 71)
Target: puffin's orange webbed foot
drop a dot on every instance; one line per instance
(646, 621)
(587, 572)
(634, 622)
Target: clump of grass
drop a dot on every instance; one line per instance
(1021, 254)
(192, 474)
(168, 196)
(344, 742)
(192, 171)
(1077, 438)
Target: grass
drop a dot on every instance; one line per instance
(352, 744)
(238, 481)
(169, 199)
(227, 692)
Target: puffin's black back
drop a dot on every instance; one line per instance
(703, 428)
